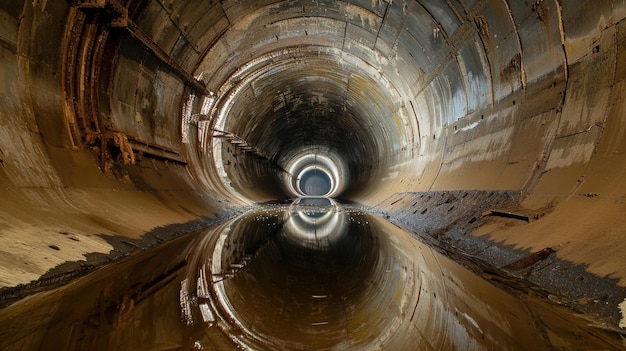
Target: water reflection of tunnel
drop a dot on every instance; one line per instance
(318, 276)
(309, 284)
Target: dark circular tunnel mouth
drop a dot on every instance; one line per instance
(304, 108)
(315, 182)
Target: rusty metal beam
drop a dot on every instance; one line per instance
(93, 4)
(138, 34)
(119, 11)
(243, 146)
(139, 145)
(156, 152)
(121, 20)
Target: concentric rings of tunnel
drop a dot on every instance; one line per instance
(301, 107)
(326, 166)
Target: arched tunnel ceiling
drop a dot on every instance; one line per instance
(442, 64)
(405, 46)
(450, 117)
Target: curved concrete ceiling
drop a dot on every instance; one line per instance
(121, 116)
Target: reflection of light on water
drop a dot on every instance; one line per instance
(316, 233)
(315, 275)
(317, 226)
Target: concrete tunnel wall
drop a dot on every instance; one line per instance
(118, 117)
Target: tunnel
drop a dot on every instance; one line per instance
(141, 138)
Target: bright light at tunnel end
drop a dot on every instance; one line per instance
(313, 181)
(315, 174)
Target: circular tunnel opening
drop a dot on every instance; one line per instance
(315, 182)
(301, 106)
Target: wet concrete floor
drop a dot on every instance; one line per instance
(313, 275)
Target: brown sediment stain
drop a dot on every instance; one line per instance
(482, 25)
(541, 10)
(513, 69)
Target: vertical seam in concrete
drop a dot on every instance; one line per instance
(419, 134)
(608, 106)
(345, 34)
(559, 12)
(535, 174)
(452, 56)
(382, 23)
(565, 71)
(519, 43)
(472, 17)
(443, 155)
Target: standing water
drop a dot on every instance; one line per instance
(312, 275)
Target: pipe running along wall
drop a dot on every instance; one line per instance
(119, 116)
